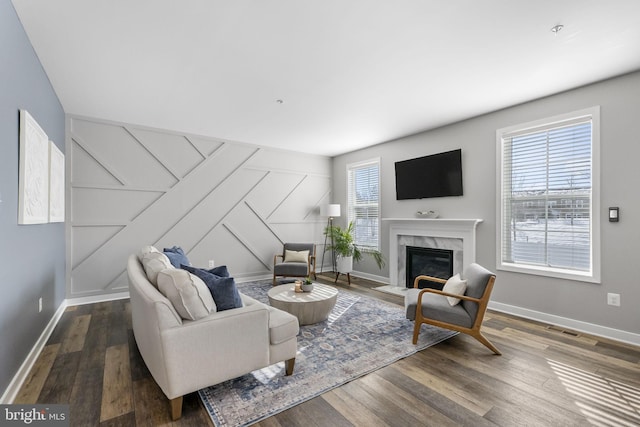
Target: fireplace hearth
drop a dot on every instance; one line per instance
(430, 262)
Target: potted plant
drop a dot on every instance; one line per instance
(346, 251)
(307, 284)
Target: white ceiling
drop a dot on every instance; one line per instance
(351, 73)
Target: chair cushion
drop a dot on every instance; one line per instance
(455, 285)
(477, 278)
(299, 247)
(290, 269)
(296, 256)
(436, 307)
(153, 263)
(282, 326)
(187, 292)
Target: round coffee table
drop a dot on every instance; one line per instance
(309, 307)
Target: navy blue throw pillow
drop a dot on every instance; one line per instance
(223, 289)
(176, 256)
(220, 271)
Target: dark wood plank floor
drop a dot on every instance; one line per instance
(546, 376)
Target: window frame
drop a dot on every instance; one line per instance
(593, 275)
(350, 209)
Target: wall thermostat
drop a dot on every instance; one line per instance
(614, 214)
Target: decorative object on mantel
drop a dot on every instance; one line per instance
(342, 243)
(427, 214)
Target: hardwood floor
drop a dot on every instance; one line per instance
(546, 377)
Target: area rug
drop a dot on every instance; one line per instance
(362, 334)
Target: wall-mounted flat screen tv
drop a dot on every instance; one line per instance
(437, 175)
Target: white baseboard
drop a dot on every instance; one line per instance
(12, 390)
(373, 277)
(97, 298)
(576, 325)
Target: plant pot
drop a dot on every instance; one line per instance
(306, 287)
(344, 264)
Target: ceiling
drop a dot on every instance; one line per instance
(348, 74)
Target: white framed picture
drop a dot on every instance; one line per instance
(33, 182)
(56, 183)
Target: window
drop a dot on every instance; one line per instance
(548, 209)
(363, 196)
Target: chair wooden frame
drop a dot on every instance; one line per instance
(474, 330)
(311, 265)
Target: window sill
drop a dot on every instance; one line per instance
(558, 273)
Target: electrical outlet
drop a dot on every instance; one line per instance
(40, 305)
(211, 263)
(613, 299)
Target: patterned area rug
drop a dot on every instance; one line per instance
(362, 335)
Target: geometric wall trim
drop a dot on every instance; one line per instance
(229, 202)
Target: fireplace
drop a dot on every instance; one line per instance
(428, 261)
(457, 235)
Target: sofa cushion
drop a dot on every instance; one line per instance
(187, 292)
(282, 326)
(145, 250)
(220, 271)
(223, 289)
(177, 256)
(455, 285)
(154, 263)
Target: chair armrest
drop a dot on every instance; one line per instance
(275, 258)
(447, 294)
(430, 278)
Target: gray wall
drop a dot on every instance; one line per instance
(619, 99)
(230, 202)
(31, 256)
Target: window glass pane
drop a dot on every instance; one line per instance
(363, 196)
(546, 197)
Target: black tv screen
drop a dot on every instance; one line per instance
(437, 175)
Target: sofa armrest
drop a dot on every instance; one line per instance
(216, 348)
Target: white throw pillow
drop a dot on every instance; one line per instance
(187, 292)
(145, 250)
(154, 263)
(296, 256)
(455, 285)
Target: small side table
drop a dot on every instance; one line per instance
(309, 307)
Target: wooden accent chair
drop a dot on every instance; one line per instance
(465, 317)
(293, 262)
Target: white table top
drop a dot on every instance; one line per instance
(287, 293)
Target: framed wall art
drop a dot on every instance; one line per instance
(33, 182)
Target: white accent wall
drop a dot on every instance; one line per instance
(229, 202)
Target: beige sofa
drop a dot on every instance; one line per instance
(186, 355)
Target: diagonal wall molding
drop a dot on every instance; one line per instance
(232, 202)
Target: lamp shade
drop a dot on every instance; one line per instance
(333, 210)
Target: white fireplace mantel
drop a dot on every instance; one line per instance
(464, 229)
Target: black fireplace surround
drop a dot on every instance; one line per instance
(430, 262)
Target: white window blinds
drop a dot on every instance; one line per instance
(547, 209)
(363, 195)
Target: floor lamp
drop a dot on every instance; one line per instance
(331, 211)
